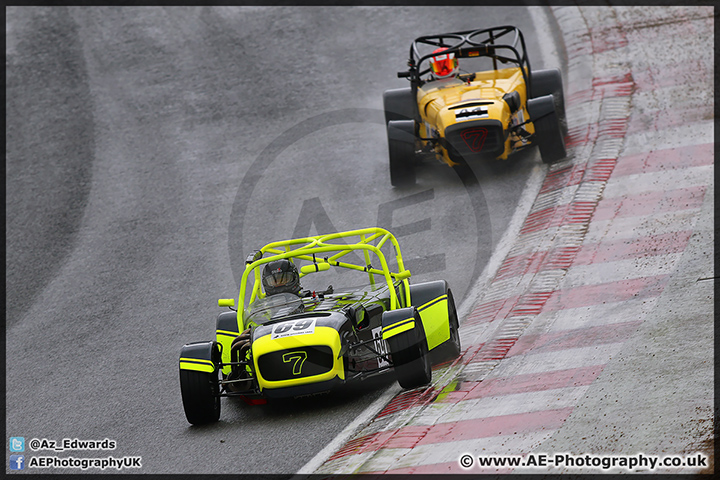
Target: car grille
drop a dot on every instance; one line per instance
(476, 139)
(296, 363)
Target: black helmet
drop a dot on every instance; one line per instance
(281, 276)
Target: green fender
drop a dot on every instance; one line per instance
(397, 321)
(430, 299)
(226, 330)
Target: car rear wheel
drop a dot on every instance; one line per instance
(548, 134)
(401, 149)
(200, 396)
(410, 356)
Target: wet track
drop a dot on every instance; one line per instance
(149, 150)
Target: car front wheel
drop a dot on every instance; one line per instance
(549, 82)
(401, 149)
(548, 134)
(410, 356)
(200, 396)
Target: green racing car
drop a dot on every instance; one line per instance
(284, 341)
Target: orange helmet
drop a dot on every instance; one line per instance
(444, 64)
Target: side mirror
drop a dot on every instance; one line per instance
(254, 256)
(314, 267)
(226, 302)
(513, 101)
(358, 316)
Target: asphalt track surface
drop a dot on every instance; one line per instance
(149, 150)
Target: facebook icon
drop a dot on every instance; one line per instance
(17, 462)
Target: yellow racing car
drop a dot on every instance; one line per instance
(492, 107)
(288, 341)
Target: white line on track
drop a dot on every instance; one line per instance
(543, 362)
(527, 198)
(632, 227)
(642, 267)
(365, 417)
(661, 181)
(497, 405)
(687, 135)
(608, 313)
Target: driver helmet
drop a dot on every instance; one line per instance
(280, 276)
(443, 65)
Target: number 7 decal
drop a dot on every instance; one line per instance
(299, 358)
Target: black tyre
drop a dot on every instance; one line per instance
(548, 135)
(200, 396)
(451, 348)
(549, 82)
(399, 104)
(410, 356)
(401, 149)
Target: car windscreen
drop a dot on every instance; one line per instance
(273, 306)
(433, 84)
(281, 305)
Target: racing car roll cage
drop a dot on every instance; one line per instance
(471, 44)
(312, 249)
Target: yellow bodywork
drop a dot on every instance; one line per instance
(434, 99)
(434, 315)
(225, 340)
(197, 365)
(399, 327)
(324, 336)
